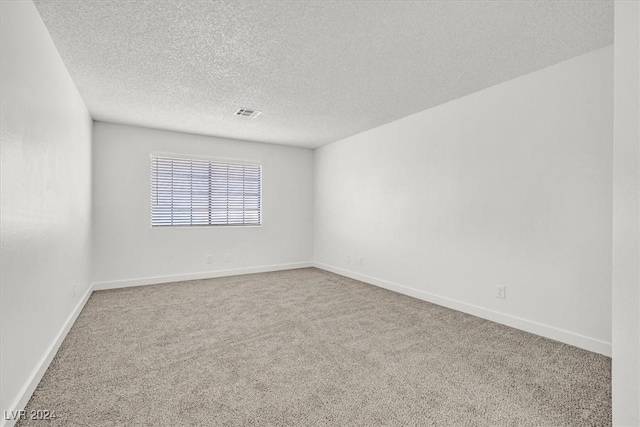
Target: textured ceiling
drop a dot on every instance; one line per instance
(319, 71)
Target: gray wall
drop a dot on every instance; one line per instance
(508, 186)
(626, 217)
(128, 251)
(46, 200)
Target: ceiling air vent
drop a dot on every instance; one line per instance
(245, 112)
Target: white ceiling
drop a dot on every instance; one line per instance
(319, 71)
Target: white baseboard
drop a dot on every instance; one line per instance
(30, 386)
(196, 276)
(546, 331)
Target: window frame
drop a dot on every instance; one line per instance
(197, 157)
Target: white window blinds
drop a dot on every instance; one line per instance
(188, 192)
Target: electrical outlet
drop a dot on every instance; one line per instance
(227, 257)
(74, 289)
(209, 259)
(359, 260)
(501, 292)
(348, 259)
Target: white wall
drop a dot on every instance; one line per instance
(46, 183)
(127, 251)
(509, 186)
(626, 217)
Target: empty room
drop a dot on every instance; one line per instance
(310, 213)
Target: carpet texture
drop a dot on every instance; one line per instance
(310, 348)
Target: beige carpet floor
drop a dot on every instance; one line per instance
(309, 348)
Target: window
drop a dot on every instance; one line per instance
(197, 192)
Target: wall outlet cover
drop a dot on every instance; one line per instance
(501, 292)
